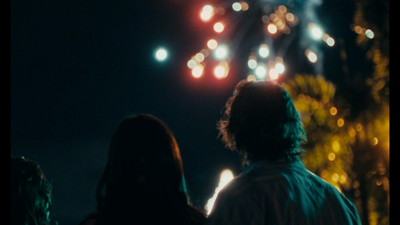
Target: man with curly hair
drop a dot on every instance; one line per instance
(261, 123)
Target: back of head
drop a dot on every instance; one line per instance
(261, 122)
(144, 170)
(30, 193)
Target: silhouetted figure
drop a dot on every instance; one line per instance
(143, 181)
(262, 124)
(30, 193)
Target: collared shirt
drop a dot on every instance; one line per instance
(281, 193)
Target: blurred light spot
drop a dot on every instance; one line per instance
(219, 27)
(219, 72)
(205, 16)
(280, 68)
(286, 30)
(273, 16)
(251, 77)
(197, 71)
(225, 177)
(289, 17)
(252, 63)
(333, 111)
(208, 8)
(356, 184)
(311, 56)
(359, 127)
(236, 6)
(282, 9)
(358, 29)
(369, 33)
(330, 41)
(263, 51)
(316, 32)
(272, 28)
(357, 193)
(331, 156)
(335, 177)
(161, 54)
(265, 19)
(273, 74)
(342, 179)
(340, 122)
(352, 132)
(375, 141)
(221, 52)
(324, 174)
(205, 52)
(245, 6)
(261, 71)
(335, 146)
(212, 44)
(220, 11)
(199, 57)
(191, 63)
(378, 182)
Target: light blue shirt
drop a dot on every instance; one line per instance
(281, 193)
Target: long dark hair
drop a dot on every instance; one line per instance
(143, 176)
(30, 193)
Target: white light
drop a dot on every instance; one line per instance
(311, 56)
(369, 33)
(219, 72)
(191, 63)
(199, 57)
(236, 6)
(226, 176)
(330, 41)
(279, 67)
(161, 54)
(273, 74)
(263, 51)
(261, 71)
(197, 71)
(316, 32)
(252, 63)
(208, 8)
(221, 52)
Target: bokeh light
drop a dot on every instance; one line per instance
(251, 77)
(335, 177)
(206, 13)
(289, 17)
(161, 54)
(221, 52)
(261, 71)
(340, 122)
(311, 56)
(252, 63)
(273, 74)
(212, 44)
(316, 32)
(280, 68)
(236, 6)
(263, 51)
(335, 145)
(331, 156)
(244, 6)
(197, 71)
(191, 63)
(374, 141)
(272, 28)
(199, 57)
(369, 33)
(333, 111)
(219, 27)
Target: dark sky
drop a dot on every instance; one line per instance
(79, 67)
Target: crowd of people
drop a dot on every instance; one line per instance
(144, 183)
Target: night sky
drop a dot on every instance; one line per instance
(79, 67)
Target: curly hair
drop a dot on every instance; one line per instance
(30, 193)
(261, 122)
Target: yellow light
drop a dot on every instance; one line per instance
(331, 156)
(335, 146)
(357, 193)
(251, 77)
(191, 63)
(197, 71)
(272, 28)
(335, 177)
(199, 57)
(244, 6)
(324, 174)
(358, 29)
(352, 132)
(273, 74)
(219, 27)
(212, 44)
(375, 141)
(333, 111)
(282, 9)
(359, 127)
(311, 56)
(356, 184)
(340, 122)
(289, 17)
(342, 179)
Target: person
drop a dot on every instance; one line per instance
(261, 123)
(30, 193)
(143, 181)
